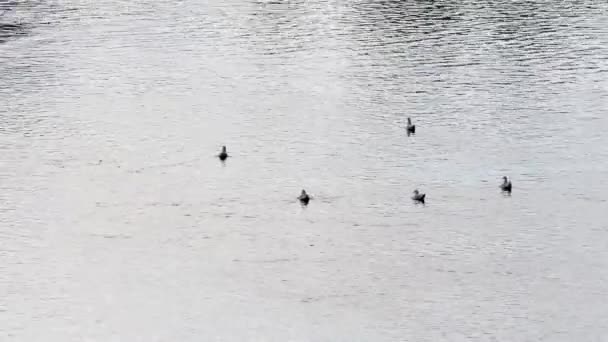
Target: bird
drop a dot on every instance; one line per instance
(223, 155)
(506, 184)
(418, 197)
(304, 198)
(411, 129)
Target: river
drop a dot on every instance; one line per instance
(117, 222)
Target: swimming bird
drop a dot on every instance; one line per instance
(418, 197)
(506, 184)
(223, 155)
(411, 129)
(304, 198)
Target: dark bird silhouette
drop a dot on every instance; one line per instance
(411, 129)
(506, 184)
(418, 197)
(304, 198)
(223, 155)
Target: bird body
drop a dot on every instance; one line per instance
(304, 198)
(223, 155)
(506, 185)
(418, 197)
(411, 129)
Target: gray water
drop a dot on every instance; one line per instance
(117, 223)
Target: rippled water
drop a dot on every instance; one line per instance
(118, 224)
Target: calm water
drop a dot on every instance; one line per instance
(161, 242)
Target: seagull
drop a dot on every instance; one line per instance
(418, 197)
(223, 155)
(506, 184)
(411, 129)
(304, 198)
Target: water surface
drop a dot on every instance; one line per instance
(161, 242)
